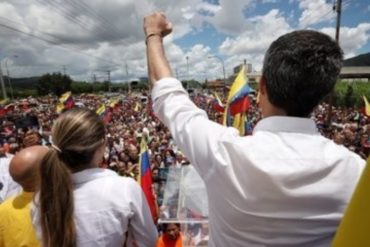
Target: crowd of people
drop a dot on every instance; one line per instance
(133, 118)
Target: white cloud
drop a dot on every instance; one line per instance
(314, 12)
(269, 1)
(254, 41)
(107, 29)
(112, 31)
(351, 39)
(230, 17)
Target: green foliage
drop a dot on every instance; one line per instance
(55, 83)
(79, 87)
(350, 93)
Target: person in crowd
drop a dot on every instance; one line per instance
(201, 238)
(15, 225)
(284, 185)
(171, 236)
(8, 187)
(80, 204)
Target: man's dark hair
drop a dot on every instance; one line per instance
(300, 69)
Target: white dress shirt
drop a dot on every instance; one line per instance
(8, 187)
(106, 207)
(286, 185)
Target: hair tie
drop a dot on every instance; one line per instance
(56, 148)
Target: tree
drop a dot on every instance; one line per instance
(55, 83)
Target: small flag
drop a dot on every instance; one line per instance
(65, 102)
(113, 103)
(104, 113)
(237, 103)
(145, 178)
(101, 110)
(217, 103)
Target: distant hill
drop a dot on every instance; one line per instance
(360, 60)
(23, 83)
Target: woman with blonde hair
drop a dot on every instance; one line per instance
(80, 204)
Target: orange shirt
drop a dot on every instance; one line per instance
(165, 241)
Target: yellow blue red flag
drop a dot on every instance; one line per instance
(238, 102)
(145, 177)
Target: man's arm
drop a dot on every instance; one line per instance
(155, 28)
(201, 140)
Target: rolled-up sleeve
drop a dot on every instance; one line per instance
(200, 139)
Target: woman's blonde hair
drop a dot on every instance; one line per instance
(76, 136)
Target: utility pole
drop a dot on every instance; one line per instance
(9, 82)
(128, 81)
(187, 66)
(109, 84)
(2, 83)
(64, 69)
(337, 8)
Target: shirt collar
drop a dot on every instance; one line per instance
(286, 124)
(91, 174)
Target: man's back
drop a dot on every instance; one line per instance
(285, 185)
(282, 186)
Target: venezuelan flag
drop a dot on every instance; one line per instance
(105, 113)
(113, 102)
(64, 97)
(145, 177)
(101, 110)
(238, 103)
(65, 102)
(354, 227)
(217, 103)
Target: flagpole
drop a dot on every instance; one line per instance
(223, 70)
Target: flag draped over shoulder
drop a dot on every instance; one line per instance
(65, 102)
(145, 177)
(367, 106)
(355, 224)
(238, 103)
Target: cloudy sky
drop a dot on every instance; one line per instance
(89, 37)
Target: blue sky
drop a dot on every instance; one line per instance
(89, 37)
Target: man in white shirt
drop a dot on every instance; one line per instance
(285, 185)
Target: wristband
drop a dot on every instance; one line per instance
(151, 35)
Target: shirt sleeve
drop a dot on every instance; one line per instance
(142, 227)
(200, 139)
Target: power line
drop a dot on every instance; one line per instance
(323, 16)
(65, 14)
(56, 44)
(92, 13)
(64, 11)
